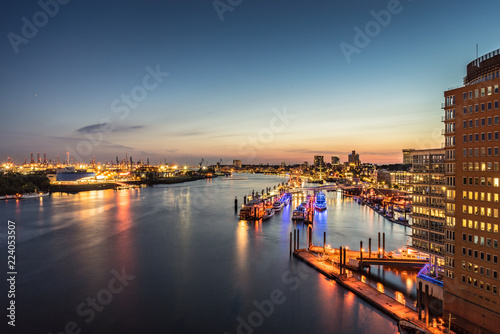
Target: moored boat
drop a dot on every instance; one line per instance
(268, 214)
(320, 203)
(31, 195)
(299, 213)
(278, 205)
(254, 210)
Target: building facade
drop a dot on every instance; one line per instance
(335, 160)
(319, 161)
(428, 194)
(353, 159)
(472, 159)
(407, 156)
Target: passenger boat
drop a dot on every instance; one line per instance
(406, 327)
(287, 197)
(254, 210)
(407, 253)
(320, 203)
(278, 205)
(299, 213)
(32, 195)
(268, 214)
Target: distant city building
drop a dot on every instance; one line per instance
(428, 194)
(319, 161)
(407, 155)
(401, 179)
(283, 165)
(353, 159)
(335, 160)
(472, 198)
(237, 163)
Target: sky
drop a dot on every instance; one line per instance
(258, 81)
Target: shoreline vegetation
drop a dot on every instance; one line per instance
(16, 183)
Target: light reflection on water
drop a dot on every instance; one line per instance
(196, 267)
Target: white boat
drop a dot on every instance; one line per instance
(278, 205)
(408, 253)
(320, 203)
(268, 214)
(32, 195)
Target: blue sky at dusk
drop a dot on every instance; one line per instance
(228, 80)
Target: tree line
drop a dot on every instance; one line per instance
(15, 183)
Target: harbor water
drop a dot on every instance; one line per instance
(176, 259)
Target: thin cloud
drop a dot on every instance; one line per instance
(101, 126)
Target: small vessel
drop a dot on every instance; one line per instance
(320, 203)
(402, 220)
(406, 327)
(407, 253)
(287, 197)
(254, 210)
(299, 213)
(278, 205)
(268, 214)
(31, 195)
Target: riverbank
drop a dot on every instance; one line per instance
(386, 304)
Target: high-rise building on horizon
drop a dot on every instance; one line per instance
(237, 163)
(335, 160)
(472, 174)
(319, 161)
(353, 159)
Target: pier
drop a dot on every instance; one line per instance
(396, 310)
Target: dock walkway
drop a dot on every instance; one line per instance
(376, 298)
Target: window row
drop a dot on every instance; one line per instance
(485, 90)
(476, 122)
(480, 196)
(479, 270)
(479, 137)
(480, 107)
(479, 151)
(481, 181)
(480, 225)
(480, 166)
(480, 210)
(480, 255)
(493, 289)
(480, 240)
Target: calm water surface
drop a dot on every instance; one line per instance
(175, 259)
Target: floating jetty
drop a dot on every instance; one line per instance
(329, 267)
